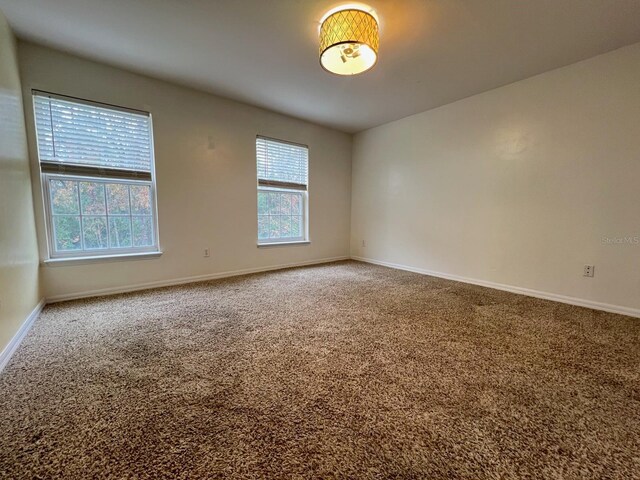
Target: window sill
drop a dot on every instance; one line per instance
(63, 262)
(284, 244)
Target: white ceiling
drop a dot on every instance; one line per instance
(264, 52)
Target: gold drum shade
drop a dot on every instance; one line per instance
(349, 42)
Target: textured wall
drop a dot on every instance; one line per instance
(19, 290)
(521, 185)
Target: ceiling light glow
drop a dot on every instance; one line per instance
(349, 40)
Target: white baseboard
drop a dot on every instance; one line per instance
(184, 280)
(15, 342)
(632, 312)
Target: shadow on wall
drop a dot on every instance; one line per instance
(15, 186)
(13, 149)
(19, 260)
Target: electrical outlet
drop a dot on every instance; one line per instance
(364, 243)
(206, 252)
(588, 270)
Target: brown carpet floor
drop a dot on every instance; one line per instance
(344, 370)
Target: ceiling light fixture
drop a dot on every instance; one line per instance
(349, 41)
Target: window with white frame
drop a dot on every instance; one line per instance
(283, 177)
(97, 170)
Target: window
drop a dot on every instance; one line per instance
(282, 191)
(96, 163)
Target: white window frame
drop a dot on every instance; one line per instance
(304, 239)
(103, 252)
(106, 253)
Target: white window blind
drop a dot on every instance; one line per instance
(282, 164)
(81, 137)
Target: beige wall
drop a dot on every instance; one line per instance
(19, 291)
(517, 185)
(206, 197)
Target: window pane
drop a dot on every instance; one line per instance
(118, 199)
(296, 204)
(296, 226)
(285, 226)
(92, 198)
(67, 233)
(263, 203)
(280, 214)
(119, 232)
(95, 232)
(274, 227)
(285, 203)
(263, 227)
(274, 203)
(64, 197)
(142, 231)
(140, 199)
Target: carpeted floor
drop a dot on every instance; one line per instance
(343, 370)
